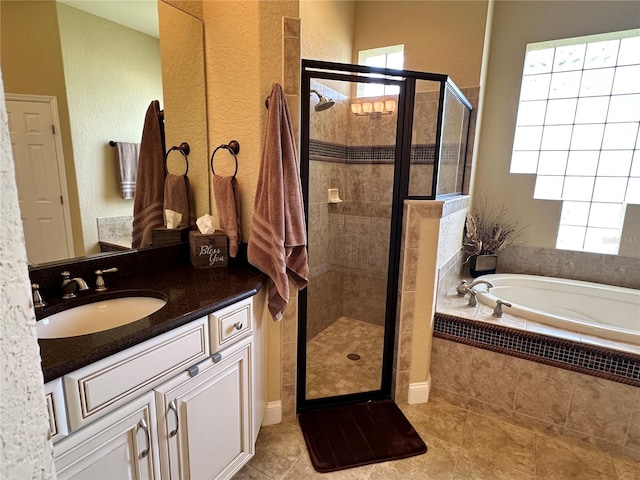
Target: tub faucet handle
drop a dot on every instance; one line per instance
(497, 311)
(473, 298)
(462, 289)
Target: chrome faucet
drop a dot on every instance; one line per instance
(465, 286)
(71, 285)
(497, 311)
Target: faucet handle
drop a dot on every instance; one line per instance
(473, 298)
(38, 301)
(462, 289)
(497, 311)
(100, 286)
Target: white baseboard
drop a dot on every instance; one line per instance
(419, 392)
(273, 414)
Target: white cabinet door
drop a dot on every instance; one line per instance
(204, 418)
(121, 445)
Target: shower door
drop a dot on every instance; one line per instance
(371, 138)
(349, 155)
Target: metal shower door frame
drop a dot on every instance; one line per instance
(406, 80)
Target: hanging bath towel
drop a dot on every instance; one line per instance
(225, 191)
(147, 205)
(277, 242)
(177, 197)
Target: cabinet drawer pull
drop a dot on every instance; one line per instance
(238, 325)
(143, 425)
(173, 406)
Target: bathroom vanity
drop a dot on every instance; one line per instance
(178, 394)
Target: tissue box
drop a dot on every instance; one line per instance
(208, 250)
(168, 236)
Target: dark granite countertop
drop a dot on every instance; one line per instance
(191, 293)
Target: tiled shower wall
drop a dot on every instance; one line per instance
(349, 241)
(348, 244)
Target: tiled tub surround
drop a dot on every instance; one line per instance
(537, 376)
(585, 408)
(585, 266)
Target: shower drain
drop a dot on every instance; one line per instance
(353, 356)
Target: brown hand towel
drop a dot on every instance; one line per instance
(277, 242)
(225, 191)
(128, 154)
(147, 205)
(177, 197)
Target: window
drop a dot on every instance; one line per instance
(384, 57)
(578, 130)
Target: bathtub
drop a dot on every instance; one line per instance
(592, 308)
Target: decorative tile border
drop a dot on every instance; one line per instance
(600, 362)
(331, 152)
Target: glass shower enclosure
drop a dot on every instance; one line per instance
(370, 138)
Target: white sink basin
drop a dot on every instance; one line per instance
(98, 316)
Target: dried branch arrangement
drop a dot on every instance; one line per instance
(489, 230)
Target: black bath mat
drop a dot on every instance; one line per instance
(352, 435)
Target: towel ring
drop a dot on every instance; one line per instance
(233, 148)
(184, 149)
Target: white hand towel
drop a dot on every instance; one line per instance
(128, 154)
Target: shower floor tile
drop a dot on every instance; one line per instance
(330, 372)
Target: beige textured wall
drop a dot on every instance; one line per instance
(183, 84)
(26, 452)
(327, 28)
(514, 25)
(31, 59)
(243, 60)
(438, 36)
(192, 7)
(112, 73)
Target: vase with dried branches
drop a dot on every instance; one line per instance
(488, 231)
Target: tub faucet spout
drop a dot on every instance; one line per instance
(480, 282)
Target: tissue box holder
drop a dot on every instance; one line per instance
(208, 250)
(168, 236)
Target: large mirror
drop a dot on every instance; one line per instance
(103, 61)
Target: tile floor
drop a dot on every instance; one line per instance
(330, 372)
(462, 445)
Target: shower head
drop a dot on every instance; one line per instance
(324, 103)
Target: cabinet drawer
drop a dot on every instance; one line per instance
(101, 387)
(229, 324)
(56, 409)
